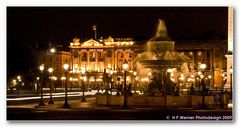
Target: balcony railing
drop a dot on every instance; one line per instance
(84, 59)
(92, 59)
(101, 58)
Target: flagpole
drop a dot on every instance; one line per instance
(94, 29)
(95, 34)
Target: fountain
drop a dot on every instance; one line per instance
(160, 59)
(157, 64)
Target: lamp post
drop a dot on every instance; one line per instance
(111, 83)
(50, 70)
(118, 89)
(223, 75)
(135, 85)
(231, 71)
(55, 79)
(209, 78)
(125, 67)
(38, 78)
(203, 66)
(97, 82)
(83, 85)
(66, 67)
(18, 84)
(41, 103)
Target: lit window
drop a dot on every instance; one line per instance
(199, 53)
(84, 54)
(92, 54)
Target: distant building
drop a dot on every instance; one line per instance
(56, 61)
(210, 52)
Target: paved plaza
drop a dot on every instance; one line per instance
(91, 111)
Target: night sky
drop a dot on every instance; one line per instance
(30, 29)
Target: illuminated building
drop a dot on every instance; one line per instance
(54, 61)
(95, 56)
(210, 52)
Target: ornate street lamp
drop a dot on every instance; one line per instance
(41, 103)
(38, 78)
(125, 67)
(66, 68)
(203, 67)
(50, 70)
(83, 85)
(231, 71)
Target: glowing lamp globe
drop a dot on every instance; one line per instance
(203, 66)
(41, 67)
(66, 66)
(125, 65)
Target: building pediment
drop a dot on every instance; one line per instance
(91, 42)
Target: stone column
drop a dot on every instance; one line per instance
(230, 46)
(195, 59)
(212, 67)
(229, 65)
(88, 59)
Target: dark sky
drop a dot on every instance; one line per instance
(28, 26)
(63, 24)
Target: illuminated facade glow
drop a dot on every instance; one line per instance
(96, 55)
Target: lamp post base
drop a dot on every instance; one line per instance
(83, 99)
(118, 93)
(203, 106)
(41, 103)
(51, 101)
(66, 105)
(125, 106)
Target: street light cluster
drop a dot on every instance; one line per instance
(14, 81)
(66, 66)
(18, 83)
(50, 71)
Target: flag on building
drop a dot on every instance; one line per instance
(94, 27)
